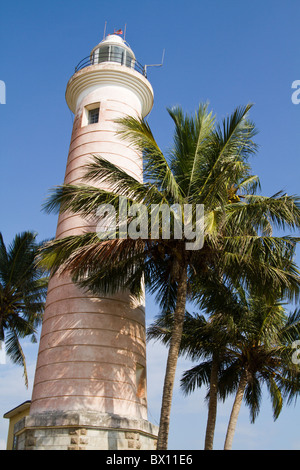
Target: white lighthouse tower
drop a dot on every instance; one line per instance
(90, 382)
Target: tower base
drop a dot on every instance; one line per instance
(83, 431)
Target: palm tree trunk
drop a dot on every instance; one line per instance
(162, 441)
(235, 412)
(212, 406)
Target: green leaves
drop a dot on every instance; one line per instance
(279, 211)
(192, 139)
(249, 335)
(23, 288)
(231, 144)
(156, 169)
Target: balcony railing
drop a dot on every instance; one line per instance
(117, 58)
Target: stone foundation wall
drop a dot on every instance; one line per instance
(86, 431)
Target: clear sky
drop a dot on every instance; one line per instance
(228, 53)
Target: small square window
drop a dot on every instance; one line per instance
(90, 114)
(93, 116)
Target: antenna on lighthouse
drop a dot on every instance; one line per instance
(155, 65)
(104, 29)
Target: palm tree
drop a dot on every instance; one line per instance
(262, 355)
(206, 166)
(22, 294)
(253, 348)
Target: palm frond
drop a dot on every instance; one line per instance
(195, 377)
(157, 171)
(191, 143)
(230, 145)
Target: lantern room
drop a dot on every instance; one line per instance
(112, 49)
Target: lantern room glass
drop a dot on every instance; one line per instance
(112, 53)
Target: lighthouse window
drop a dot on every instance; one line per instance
(117, 54)
(93, 117)
(103, 54)
(90, 114)
(129, 59)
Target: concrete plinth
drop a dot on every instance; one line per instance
(83, 431)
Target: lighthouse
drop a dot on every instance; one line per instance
(90, 388)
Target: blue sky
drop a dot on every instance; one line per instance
(227, 53)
